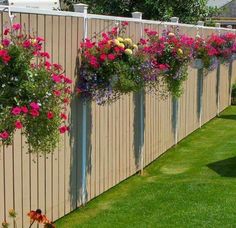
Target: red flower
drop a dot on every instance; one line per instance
(64, 116)
(63, 129)
(16, 111)
(4, 135)
(103, 57)
(24, 109)
(18, 124)
(57, 93)
(50, 115)
(6, 31)
(111, 57)
(125, 23)
(26, 44)
(57, 66)
(34, 113)
(45, 54)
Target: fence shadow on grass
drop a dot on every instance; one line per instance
(225, 168)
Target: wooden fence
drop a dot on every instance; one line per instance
(114, 140)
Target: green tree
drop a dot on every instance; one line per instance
(188, 11)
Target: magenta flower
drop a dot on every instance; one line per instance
(18, 124)
(16, 26)
(24, 109)
(34, 113)
(56, 78)
(34, 106)
(16, 111)
(4, 135)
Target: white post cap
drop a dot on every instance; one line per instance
(137, 15)
(217, 25)
(174, 19)
(229, 26)
(81, 8)
(200, 23)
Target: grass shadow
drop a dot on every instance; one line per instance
(225, 168)
(228, 117)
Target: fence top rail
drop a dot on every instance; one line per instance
(102, 17)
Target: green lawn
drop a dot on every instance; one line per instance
(192, 185)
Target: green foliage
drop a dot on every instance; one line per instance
(188, 11)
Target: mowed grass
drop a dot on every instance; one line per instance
(191, 185)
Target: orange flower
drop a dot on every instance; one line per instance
(36, 215)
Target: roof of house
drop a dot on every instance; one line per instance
(218, 3)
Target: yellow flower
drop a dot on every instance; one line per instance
(33, 41)
(120, 39)
(121, 45)
(116, 42)
(171, 34)
(180, 51)
(128, 51)
(12, 213)
(1, 46)
(135, 46)
(128, 41)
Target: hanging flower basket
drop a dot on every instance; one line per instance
(34, 93)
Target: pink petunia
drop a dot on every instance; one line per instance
(5, 42)
(34, 105)
(24, 109)
(56, 78)
(4, 135)
(26, 44)
(34, 113)
(111, 57)
(16, 26)
(16, 111)
(18, 124)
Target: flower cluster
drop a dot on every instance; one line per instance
(110, 66)
(34, 93)
(113, 65)
(170, 55)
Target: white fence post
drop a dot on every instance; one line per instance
(175, 101)
(217, 25)
(200, 25)
(83, 8)
(138, 15)
(230, 74)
